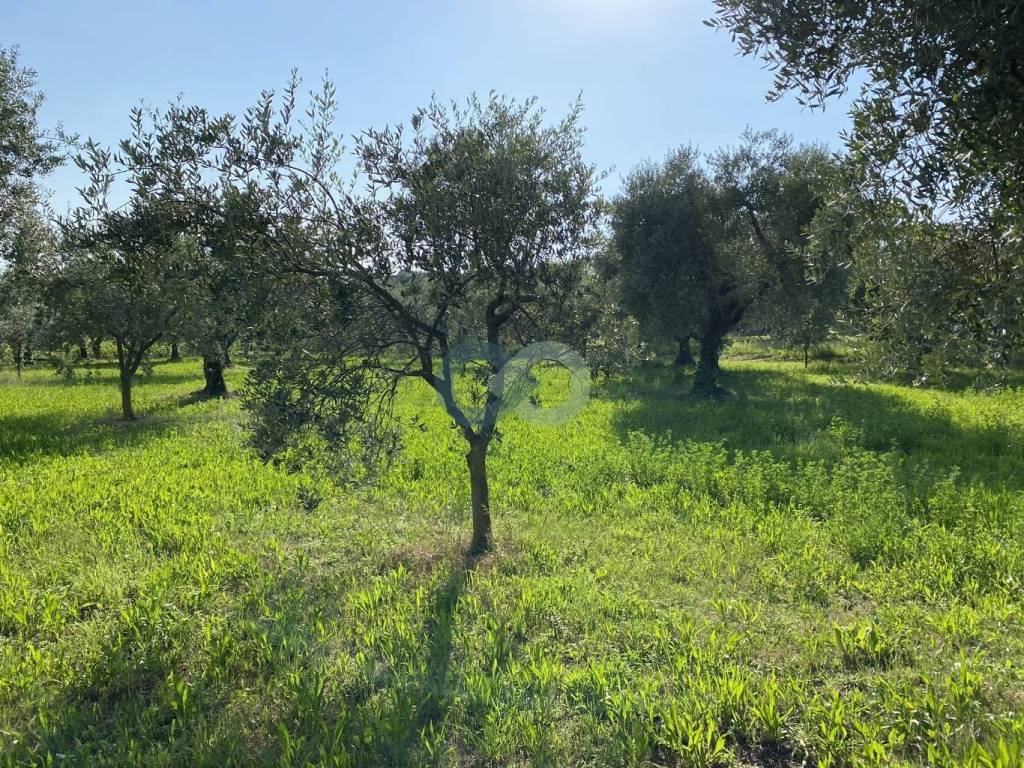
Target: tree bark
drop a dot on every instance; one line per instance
(705, 383)
(16, 352)
(83, 351)
(476, 458)
(127, 411)
(213, 372)
(96, 347)
(175, 354)
(684, 356)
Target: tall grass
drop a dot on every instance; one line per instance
(810, 572)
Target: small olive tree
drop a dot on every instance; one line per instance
(131, 270)
(463, 218)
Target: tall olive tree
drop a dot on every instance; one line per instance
(672, 271)
(231, 283)
(464, 214)
(938, 118)
(19, 320)
(702, 244)
(26, 154)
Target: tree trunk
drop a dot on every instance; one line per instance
(807, 354)
(127, 411)
(83, 352)
(213, 372)
(175, 355)
(705, 383)
(96, 347)
(227, 354)
(16, 351)
(476, 458)
(684, 356)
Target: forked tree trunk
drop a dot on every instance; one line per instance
(213, 373)
(476, 458)
(684, 356)
(705, 383)
(175, 354)
(127, 411)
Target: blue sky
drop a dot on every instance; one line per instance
(651, 74)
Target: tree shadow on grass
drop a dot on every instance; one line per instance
(430, 690)
(28, 438)
(41, 433)
(777, 411)
(132, 690)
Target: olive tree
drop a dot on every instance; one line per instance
(230, 285)
(938, 116)
(667, 233)
(26, 153)
(130, 270)
(19, 322)
(463, 217)
(939, 110)
(703, 243)
(131, 283)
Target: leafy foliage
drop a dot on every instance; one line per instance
(939, 110)
(702, 246)
(934, 296)
(25, 152)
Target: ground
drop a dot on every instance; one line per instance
(813, 572)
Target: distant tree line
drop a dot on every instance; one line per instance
(478, 228)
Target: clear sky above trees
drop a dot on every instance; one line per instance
(652, 75)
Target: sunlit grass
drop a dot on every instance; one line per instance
(811, 570)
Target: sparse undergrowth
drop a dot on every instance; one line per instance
(806, 573)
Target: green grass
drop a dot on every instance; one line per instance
(811, 572)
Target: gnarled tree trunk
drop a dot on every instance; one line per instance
(684, 356)
(213, 373)
(705, 383)
(175, 354)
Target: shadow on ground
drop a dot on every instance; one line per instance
(132, 691)
(777, 411)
